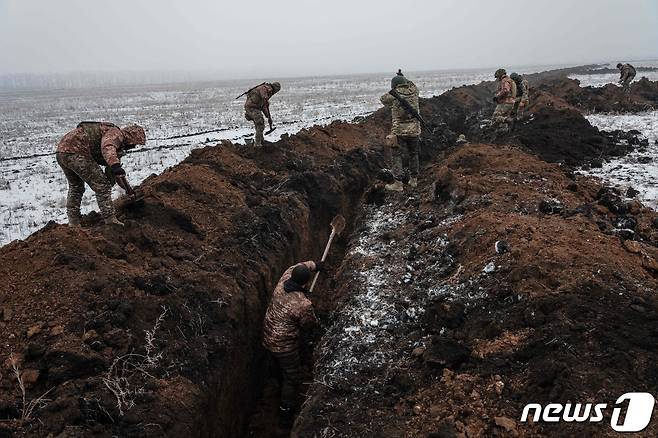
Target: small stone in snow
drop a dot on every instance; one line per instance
(491, 267)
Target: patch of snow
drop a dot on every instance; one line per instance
(639, 169)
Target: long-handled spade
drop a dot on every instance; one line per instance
(337, 227)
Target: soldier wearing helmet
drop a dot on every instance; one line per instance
(82, 151)
(627, 74)
(257, 104)
(504, 98)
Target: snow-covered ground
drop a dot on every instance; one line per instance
(179, 116)
(638, 169)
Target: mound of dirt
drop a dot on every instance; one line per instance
(504, 280)
(609, 98)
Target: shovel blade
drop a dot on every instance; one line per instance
(270, 131)
(338, 224)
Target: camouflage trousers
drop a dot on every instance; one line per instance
(626, 85)
(397, 150)
(291, 378)
(256, 116)
(520, 104)
(502, 116)
(79, 170)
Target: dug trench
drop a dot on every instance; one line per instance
(154, 329)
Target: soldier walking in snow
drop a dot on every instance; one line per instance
(289, 311)
(627, 74)
(405, 131)
(257, 104)
(82, 151)
(505, 98)
(522, 95)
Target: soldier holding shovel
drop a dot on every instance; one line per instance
(82, 151)
(257, 104)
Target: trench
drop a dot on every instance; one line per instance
(248, 406)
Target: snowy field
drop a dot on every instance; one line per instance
(177, 117)
(638, 169)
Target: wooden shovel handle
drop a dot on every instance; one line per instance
(324, 257)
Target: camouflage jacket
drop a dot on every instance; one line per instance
(506, 90)
(111, 144)
(627, 72)
(404, 124)
(259, 97)
(286, 314)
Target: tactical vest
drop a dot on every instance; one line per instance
(94, 135)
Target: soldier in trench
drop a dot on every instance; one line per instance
(81, 152)
(289, 312)
(405, 131)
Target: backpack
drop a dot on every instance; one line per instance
(94, 136)
(519, 86)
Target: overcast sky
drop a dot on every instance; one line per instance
(238, 38)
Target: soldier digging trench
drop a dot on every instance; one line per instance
(81, 152)
(257, 105)
(289, 312)
(627, 74)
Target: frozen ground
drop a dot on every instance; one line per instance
(178, 117)
(638, 169)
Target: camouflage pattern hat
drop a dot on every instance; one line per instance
(276, 87)
(514, 76)
(620, 65)
(500, 73)
(134, 135)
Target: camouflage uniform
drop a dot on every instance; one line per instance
(257, 102)
(79, 154)
(627, 75)
(505, 99)
(286, 314)
(405, 131)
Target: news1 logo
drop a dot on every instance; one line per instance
(637, 418)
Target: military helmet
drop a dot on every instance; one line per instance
(515, 77)
(301, 274)
(500, 73)
(276, 87)
(619, 65)
(398, 79)
(134, 135)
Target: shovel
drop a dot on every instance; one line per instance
(337, 227)
(270, 131)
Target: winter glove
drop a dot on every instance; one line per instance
(117, 170)
(319, 266)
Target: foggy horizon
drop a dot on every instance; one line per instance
(294, 39)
